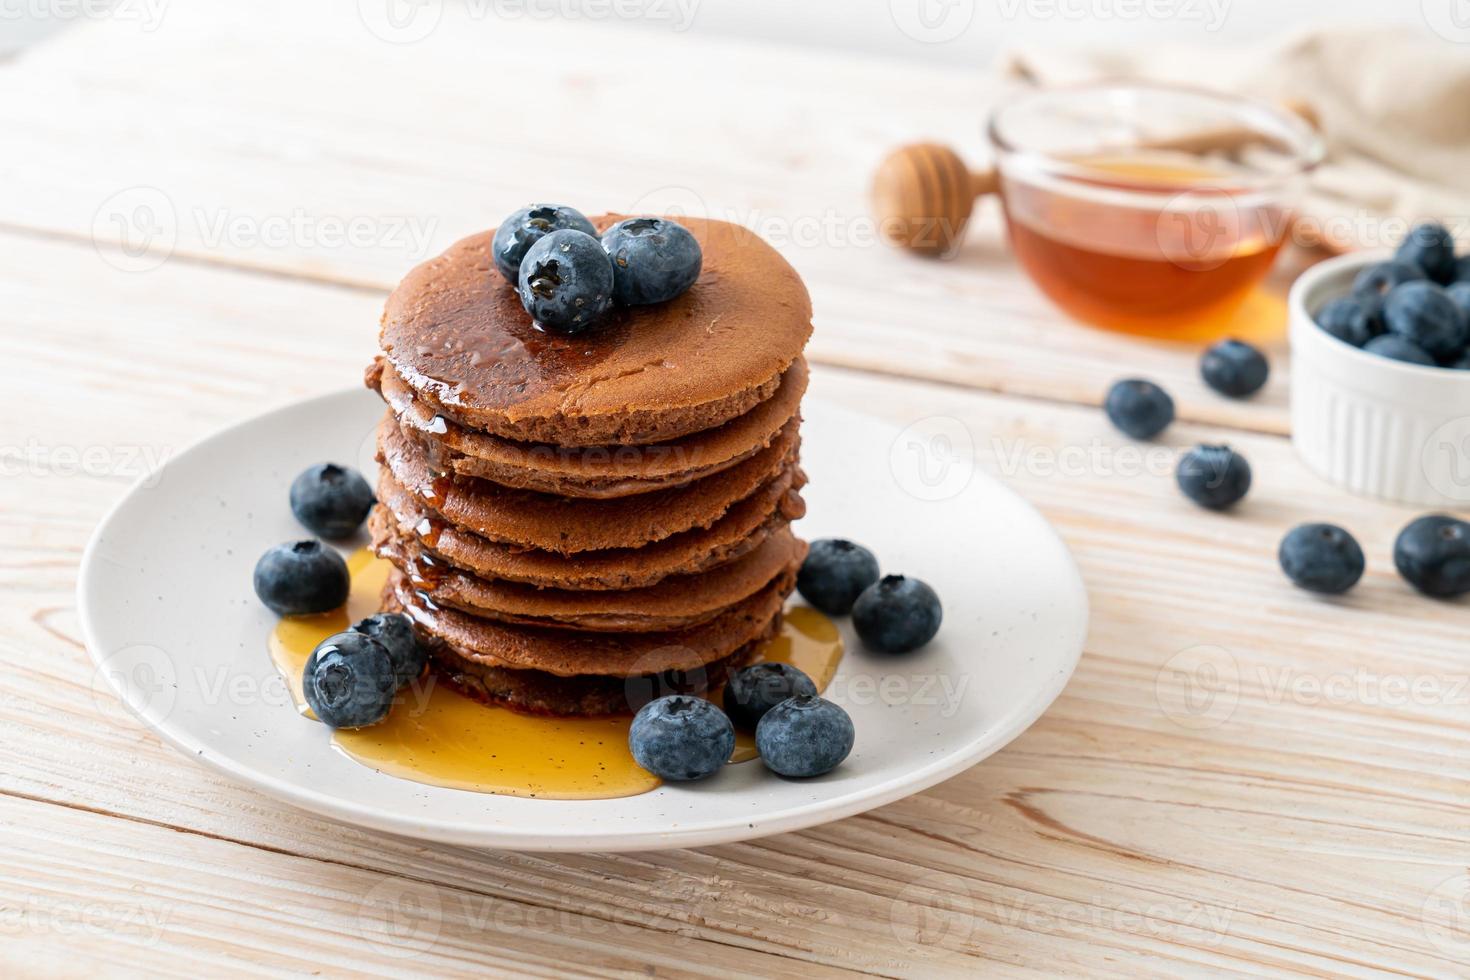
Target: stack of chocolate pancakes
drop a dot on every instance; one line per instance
(576, 522)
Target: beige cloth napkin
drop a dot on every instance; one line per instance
(1393, 105)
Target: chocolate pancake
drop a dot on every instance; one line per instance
(567, 653)
(569, 525)
(588, 471)
(537, 692)
(677, 602)
(745, 525)
(456, 333)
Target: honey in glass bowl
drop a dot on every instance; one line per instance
(1127, 221)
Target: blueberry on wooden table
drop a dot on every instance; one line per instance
(348, 681)
(1215, 477)
(1433, 554)
(331, 500)
(756, 689)
(301, 578)
(835, 573)
(804, 736)
(1234, 368)
(517, 233)
(1321, 558)
(681, 738)
(897, 614)
(1139, 408)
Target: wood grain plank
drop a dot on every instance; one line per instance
(1307, 829)
(264, 160)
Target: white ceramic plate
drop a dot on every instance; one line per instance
(176, 631)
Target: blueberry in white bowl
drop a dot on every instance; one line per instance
(517, 233)
(1321, 558)
(1351, 319)
(1396, 348)
(1234, 368)
(301, 578)
(756, 689)
(1431, 247)
(1215, 477)
(1425, 315)
(1432, 553)
(1381, 278)
(331, 500)
(1139, 408)
(835, 573)
(804, 736)
(897, 614)
(395, 632)
(654, 260)
(681, 738)
(348, 681)
(566, 282)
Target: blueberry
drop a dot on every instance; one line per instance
(1424, 314)
(566, 281)
(653, 260)
(1462, 269)
(1431, 247)
(1380, 278)
(804, 736)
(300, 578)
(1398, 349)
(835, 572)
(395, 632)
(1216, 477)
(758, 688)
(1234, 368)
(1349, 319)
(897, 614)
(1459, 294)
(1433, 554)
(1461, 363)
(525, 228)
(348, 681)
(1139, 408)
(681, 737)
(331, 500)
(1321, 558)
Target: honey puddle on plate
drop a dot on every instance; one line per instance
(434, 735)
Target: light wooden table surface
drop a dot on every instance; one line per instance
(198, 220)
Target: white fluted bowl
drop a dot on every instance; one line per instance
(1372, 425)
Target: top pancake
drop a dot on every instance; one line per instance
(456, 333)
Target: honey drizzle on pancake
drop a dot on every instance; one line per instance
(436, 736)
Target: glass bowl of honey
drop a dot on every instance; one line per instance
(1150, 209)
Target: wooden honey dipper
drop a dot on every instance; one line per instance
(923, 193)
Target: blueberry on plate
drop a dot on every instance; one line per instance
(300, 578)
(1216, 477)
(1425, 315)
(348, 681)
(1350, 319)
(653, 259)
(804, 736)
(1380, 278)
(566, 281)
(897, 614)
(395, 632)
(834, 574)
(525, 228)
(1140, 409)
(1398, 349)
(1431, 247)
(681, 737)
(756, 689)
(1234, 368)
(331, 500)
(1321, 558)
(1433, 555)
